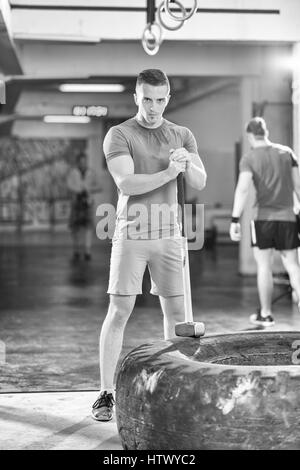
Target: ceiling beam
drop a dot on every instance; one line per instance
(15, 5)
(9, 61)
(7, 110)
(196, 93)
(4, 118)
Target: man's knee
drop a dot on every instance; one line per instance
(264, 267)
(120, 307)
(290, 259)
(173, 305)
(292, 268)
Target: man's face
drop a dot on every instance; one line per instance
(151, 102)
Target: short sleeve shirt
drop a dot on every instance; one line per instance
(271, 168)
(150, 151)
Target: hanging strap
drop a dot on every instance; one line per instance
(150, 11)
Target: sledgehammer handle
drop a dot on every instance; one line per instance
(188, 310)
(181, 198)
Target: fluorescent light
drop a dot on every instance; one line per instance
(91, 88)
(90, 111)
(61, 119)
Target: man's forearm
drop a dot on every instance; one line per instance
(297, 194)
(239, 203)
(195, 176)
(135, 184)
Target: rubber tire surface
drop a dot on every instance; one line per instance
(233, 391)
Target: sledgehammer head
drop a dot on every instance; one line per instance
(190, 329)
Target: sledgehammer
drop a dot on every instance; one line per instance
(188, 328)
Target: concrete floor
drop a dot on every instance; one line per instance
(50, 317)
(53, 421)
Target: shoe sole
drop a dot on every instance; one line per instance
(257, 322)
(102, 419)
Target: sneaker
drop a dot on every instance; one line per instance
(257, 319)
(103, 407)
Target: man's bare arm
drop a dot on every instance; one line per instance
(241, 193)
(195, 174)
(122, 170)
(240, 197)
(296, 181)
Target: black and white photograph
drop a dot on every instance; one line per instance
(149, 228)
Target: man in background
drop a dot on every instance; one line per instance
(82, 182)
(273, 169)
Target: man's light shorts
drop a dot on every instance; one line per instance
(129, 259)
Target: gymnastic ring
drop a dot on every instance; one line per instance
(151, 44)
(184, 17)
(170, 28)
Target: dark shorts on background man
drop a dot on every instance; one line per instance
(278, 234)
(82, 213)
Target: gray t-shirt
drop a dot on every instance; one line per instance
(271, 168)
(150, 151)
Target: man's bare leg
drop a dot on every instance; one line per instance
(75, 234)
(291, 264)
(263, 260)
(110, 346)
(173, 311)
(111, 337)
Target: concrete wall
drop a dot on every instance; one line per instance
(215, 122)
(275, 89)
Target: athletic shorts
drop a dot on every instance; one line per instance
(281, 235)
(130, 258)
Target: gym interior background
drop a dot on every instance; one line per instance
(230, 61)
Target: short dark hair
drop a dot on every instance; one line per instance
(154, 77)
(257, 126)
